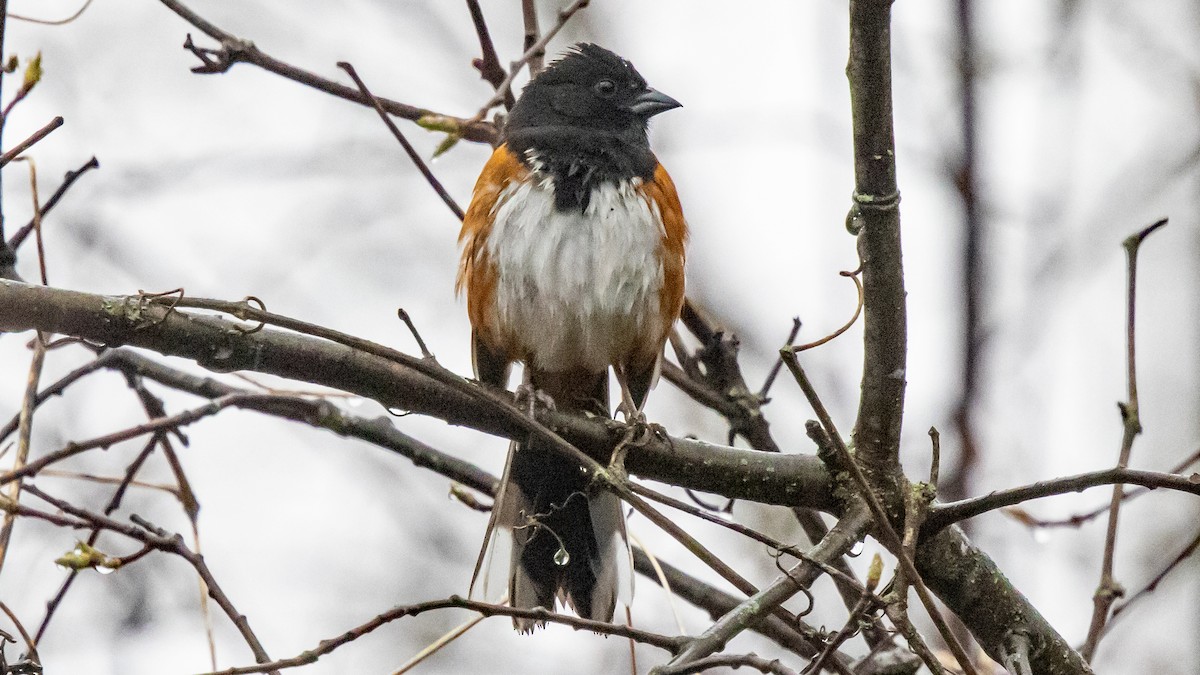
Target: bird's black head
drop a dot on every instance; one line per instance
(582, 121)
(589, 88)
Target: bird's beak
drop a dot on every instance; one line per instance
(652, 102)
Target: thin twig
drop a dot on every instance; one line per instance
(28, 142)
(54, 22)
(237, 50)
(858, 307)
(797, 637)
(158, 539)
(109, 480)
(916, 504)
(778, 365)
(853, 621)
(408, 148)
(114, 503)
(403, 314)
(734, 661)
(163, 423)
(488, 64)
(37, 219)
(1109, 590)
(912, 636)
(440, 643)
(943, 515)
(24, 436)
(29, 644)
(68, 180)
(775, 545)
(536, 51)
(849, 531)
(456, 602)
(1150, 587)
(1079, 519)
(884, 526)
(532, 32)
(53, 390)
(935, 440)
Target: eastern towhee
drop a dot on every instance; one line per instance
(572, 261)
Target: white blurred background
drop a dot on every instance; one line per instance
(245, 183)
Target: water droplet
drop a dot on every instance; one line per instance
(102, 569)
(63, 567)
(399, 412)
(561, 557)
(856, 550)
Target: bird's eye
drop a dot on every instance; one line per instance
(605, 88)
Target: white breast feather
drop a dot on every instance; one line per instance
(575, 288)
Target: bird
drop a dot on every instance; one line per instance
(573, 252)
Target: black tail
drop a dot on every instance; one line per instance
(568, 537)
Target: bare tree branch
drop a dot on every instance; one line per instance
(1109, 590)
(237, 50)
(152, 537)
(488, 64)
(942, 515)
(221, 345)
(848, 532)
(455, 602)
(24, 145)
(68, 180)
(408, 148)
(876, 216)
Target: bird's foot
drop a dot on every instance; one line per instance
(530, 399)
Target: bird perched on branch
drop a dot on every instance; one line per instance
(572, 262)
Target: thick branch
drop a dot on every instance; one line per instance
(995, 612)
(876, 212)
(223, 346)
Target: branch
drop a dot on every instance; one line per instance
(848, 532)
(237, 50)
(972, 587)
(68, 180)
(883, 526)
(1109, 590)
(1150, 587)
(24, 435)
(529, 15)
(406, 383)
(28, 142)
(488, 64)
(456, 602)
(537, 51)
(942, 515)
(157, 539)
(797, 637)
(876, 216)
(720, 385)
(114, 503)
(735, 661)
(408, 148)
(317, 413)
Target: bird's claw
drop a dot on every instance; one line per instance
(529, 399)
